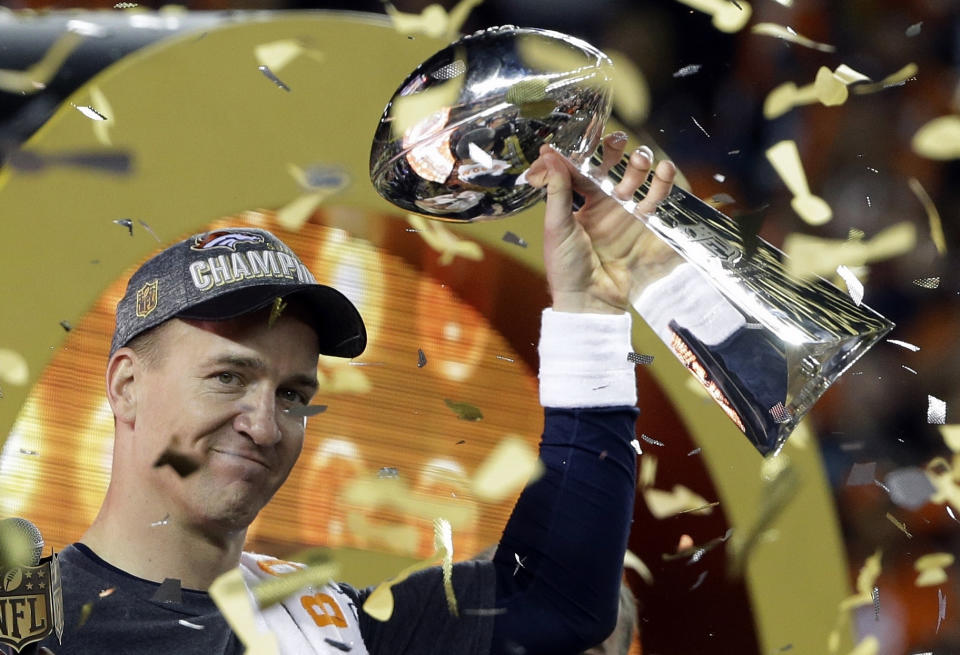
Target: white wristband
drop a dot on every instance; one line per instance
(583, 360)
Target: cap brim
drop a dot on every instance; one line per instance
(337, 322)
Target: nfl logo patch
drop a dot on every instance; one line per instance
(147, 299)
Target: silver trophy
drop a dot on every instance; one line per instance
(454, 144)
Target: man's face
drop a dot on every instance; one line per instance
(219, 396)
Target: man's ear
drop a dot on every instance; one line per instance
(122, 372)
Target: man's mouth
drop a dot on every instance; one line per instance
(242, 455)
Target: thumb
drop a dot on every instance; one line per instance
(551, 172)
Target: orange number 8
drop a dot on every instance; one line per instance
(323, 610)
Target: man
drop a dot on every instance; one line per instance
(207, 374)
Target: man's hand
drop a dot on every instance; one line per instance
(593, 256)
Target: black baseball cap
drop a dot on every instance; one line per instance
(230, 272)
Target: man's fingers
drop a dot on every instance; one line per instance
(660, 186)
(638, 168)
(551, 171)
(613, 147)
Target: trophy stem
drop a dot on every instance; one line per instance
(764, 342)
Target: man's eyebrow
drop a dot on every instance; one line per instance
(257, 364)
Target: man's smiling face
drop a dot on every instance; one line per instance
(219, 395)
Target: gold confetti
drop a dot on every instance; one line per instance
(663, 504)
(36, 77)
(444, 241)
(648, 471)
(275, 55)
(631, 93)
(869, 645)
(279, 304)
(232, 598)
(829, 88)
(379, 603)
(631, 561)
(408, 112)
(933, 216)
(787, 34)
(951, 436)
(894, 79)
(273, 591)
(866, 581)
(101, 129)
(433, 21)
(931, 569)
(727, 16)
(511, 465)
(85, 611)
(900, 524)
(785, 158)
(464, 411)
(13, 368)
(854, 286)
(938, 139)
(808, 255)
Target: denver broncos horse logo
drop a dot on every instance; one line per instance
(224, 239)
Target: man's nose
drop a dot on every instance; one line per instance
(258, 418)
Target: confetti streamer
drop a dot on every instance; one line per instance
(936, 411)
(900, 524)
(464, 411)
(66, 326)
(637, 358)
(854, 286)
(914, 30)
(941, 608)
(785, 158)
(636, 446)
(904, 344)
(150, 230)
(687, 71)
(876, 603)
(232, 598)
(306, 411)
(168, 592)
(510, 237)
(726, 16)
(106, 592)
(379, 603)
(116, 162)
(36, 77)
(388, 472)
(695, 451)
(421, 358)
(933, 216)
(927, 282)
(13, 368)
(90, 112)
(164, 521)
(269, 74)
(339, 645)
(895, 79)
(931, 569)
(508, 468)
(651, 440)
(631, 561)
(188, 624)
(938, 139)
(787, 34)
(275, 55)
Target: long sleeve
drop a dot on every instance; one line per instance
(560, 561)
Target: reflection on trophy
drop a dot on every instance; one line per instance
(455, 141)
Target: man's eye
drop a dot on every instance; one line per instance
(292, 396)
(227, 378)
